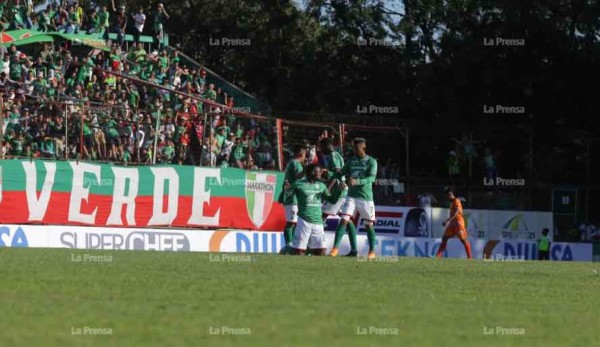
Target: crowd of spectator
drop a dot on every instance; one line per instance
(65, 102)
(62, 101)
(80, 16)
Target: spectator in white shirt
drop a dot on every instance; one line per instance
(139, 20)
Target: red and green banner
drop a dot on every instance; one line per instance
(82, 193)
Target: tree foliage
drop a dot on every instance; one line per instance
(431, 61)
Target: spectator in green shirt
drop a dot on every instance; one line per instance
(103, 22)
(239, 153)
(163, 60)
(126, 156)
(137, 53)
(44, 20)
(17, 145)
(168, 151)
(15, 15)
(47, 148)
(158, 19)
(51, 13)
(39, 84)
(210, 94)
(221, 136)
(88, 138)
(15, 69)
(72, 21)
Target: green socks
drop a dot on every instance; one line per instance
(288, 234)
(371, 237)
(339, 233)
(352, 235)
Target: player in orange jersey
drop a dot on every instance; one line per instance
(455, 225)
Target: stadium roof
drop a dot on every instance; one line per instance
(24, 37)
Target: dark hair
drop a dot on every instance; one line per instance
(449, 190)
(311, 167)
(326, 142)
(545, 231)
(298, 149)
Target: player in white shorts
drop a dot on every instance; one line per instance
(309, 193)
(335, 164)
(291, 213)
(364, 208)
(309, 235)
(333, 209)
(293, 171)
(360, 172)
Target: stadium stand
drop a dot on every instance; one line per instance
(75, 86)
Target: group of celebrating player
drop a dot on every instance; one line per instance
(347, 189)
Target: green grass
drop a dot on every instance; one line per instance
(175, 299)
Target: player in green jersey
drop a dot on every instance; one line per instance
(309, 193)
(333, 170)
(293, 171)
(360, 172)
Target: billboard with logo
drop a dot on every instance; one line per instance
(79, 193)
(484, 224)
(245, 241)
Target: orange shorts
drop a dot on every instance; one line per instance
(457, 230)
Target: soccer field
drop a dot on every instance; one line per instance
(85, 298)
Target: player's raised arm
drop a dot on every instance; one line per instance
(331, 198)
(343, 172)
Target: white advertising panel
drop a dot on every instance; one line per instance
(241, 241)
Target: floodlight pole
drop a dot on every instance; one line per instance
(137, 138)
(81, 145)
(156, 133)
(204, 125)
(66, 131)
